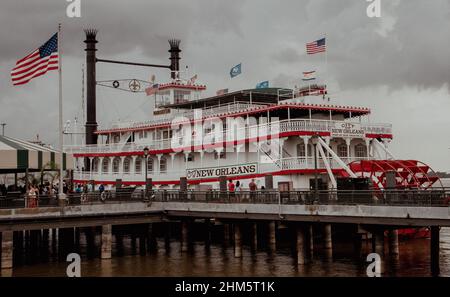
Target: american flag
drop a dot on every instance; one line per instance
(152, 89)
(37, 63)
(315, 47)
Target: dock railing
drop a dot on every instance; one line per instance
(408, 197)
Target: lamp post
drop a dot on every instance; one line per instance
(315, 141)
(145, 165)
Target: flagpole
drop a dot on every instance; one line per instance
(326, 62)
(60, 131)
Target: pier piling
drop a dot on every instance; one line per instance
(208, 232)
(184, 236)
(106, 242)
(378, 242)
(434, 251)
(255, 236)
(7, 250)
(272, 236)
(393, 242)
(328, 241)
(301, 244)
(226, 234)
(151, 239)
(237, 240)
(310, 237)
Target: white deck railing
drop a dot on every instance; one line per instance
(189, 114)
(294, 125)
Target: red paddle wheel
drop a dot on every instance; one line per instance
(408, 173)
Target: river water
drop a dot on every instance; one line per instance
(218, 259)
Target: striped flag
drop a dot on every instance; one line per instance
(152, 89)
(222, 92)
(37, 63)
(315, 47)
(309, 75)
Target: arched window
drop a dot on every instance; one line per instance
(105, 165)
(116, 164)
(301, 152)
(95, 164)
(126, 165)
(342, 150)
(150, 165)
(360, 151)
(138, 165)
(163, 165)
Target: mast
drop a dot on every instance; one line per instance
(174, 57)
(91, 118)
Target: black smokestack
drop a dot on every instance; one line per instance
(91, 118)
(174, 57)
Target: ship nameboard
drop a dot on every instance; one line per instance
(352, 130)
(232, 170)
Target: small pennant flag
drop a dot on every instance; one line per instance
(309, 75)
(152, 90)
(192, 80)
(37, 63)
(262, 85)
(315, 47)
(222, 92)
(236, 70)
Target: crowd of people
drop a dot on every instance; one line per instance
(34, 192)
(237, 190)
(238, 187)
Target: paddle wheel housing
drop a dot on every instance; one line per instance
(408, 173)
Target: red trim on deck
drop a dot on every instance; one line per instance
(371, 135)
(181, 86)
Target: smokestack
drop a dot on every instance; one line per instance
(174, 57)
(91, 118)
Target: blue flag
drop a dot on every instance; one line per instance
(262, 85)
(236, 70)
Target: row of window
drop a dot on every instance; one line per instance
(138, 163)
(360, 152)
(342, 152)
(127, 165)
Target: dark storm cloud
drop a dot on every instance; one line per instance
(124, 25)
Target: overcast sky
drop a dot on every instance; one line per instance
(398, 65)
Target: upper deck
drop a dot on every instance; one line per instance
(282, 103)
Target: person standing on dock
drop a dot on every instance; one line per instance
(253, 187)
(238, 190)
(231, 189)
